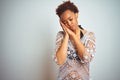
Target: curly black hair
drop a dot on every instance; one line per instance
(67, 5)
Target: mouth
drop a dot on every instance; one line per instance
(72, 27)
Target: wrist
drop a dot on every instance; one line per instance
(66, 36)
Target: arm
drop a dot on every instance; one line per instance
(79, 46)
(61, 52)
(86, 51)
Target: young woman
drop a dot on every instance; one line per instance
(75, 46)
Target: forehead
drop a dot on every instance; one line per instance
(67, 14)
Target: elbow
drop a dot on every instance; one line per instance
(60, 63)
(60, 60)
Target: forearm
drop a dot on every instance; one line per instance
(79, 46)
(61, 53)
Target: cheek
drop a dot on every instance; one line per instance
(76, 22)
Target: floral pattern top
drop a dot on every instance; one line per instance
(75, 68)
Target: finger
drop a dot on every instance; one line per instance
(62, 25)
(69, 31)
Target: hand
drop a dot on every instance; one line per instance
(64, 28)
(67, 31)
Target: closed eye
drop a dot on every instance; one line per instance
(71, 19)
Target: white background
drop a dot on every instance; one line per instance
(28, 31)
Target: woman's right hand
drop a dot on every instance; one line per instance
(61, 53)
(64, 28)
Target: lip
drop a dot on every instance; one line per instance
(71, 27)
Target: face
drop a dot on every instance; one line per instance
(69, 18)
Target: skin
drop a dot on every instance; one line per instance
(69, 24)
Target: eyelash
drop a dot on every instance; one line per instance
(69, 19)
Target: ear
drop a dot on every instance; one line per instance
(76, 15)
